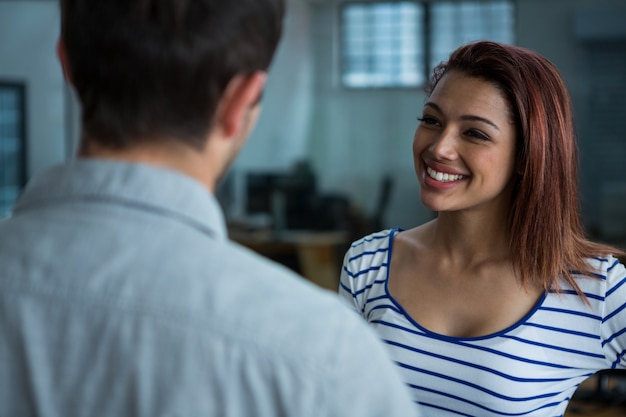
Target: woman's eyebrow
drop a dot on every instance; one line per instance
(471, 117)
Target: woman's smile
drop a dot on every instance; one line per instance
(443, 176)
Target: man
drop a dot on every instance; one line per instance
(120, 294)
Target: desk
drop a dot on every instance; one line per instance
(317, 252)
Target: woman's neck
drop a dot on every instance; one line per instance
(469, 238)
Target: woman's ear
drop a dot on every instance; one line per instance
(241, 94)
(65, 64)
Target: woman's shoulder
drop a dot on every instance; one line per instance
(608, 275)
(367, 255)
(607, 267)
(374, 240)
(366, 264)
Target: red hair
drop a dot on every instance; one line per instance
(547, 240)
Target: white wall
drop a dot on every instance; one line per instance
(28, 35)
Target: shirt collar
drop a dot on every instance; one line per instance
(145, 185)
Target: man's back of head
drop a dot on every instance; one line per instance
(156, 69)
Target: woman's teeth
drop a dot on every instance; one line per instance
(442, 177)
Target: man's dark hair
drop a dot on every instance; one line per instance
(155, 69)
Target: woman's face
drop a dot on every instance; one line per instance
(464, 146)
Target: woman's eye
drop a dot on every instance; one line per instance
(476, 134)
(427, 120)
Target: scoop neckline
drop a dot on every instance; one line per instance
(441, 336)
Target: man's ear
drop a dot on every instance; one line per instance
(241, 94)
(65, 64)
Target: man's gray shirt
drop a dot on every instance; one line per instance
(121, 295)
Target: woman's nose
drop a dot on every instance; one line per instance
(444, 146)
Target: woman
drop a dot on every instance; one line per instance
(500, 305)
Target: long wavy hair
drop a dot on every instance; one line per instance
(547, 240)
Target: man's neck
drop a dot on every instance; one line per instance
(175, 156)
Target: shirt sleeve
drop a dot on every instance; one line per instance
(614, 317)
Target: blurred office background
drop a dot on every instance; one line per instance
(340, 109)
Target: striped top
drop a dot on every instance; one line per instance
(529, 369)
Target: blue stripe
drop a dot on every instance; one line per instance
(367, 287)
(614, 313)
(384, 306)
(369, 252)
(472, 365)
(475, 386)
(380, 297)
(572, 292)
(544, 345)
(612, 266)
(618, 360)
(593, 275)
(444, 394)
(613, 336)
(482, 348)
(348, 290)
(363, 271)
(571, 312)
(566, 331)
(617, 286)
